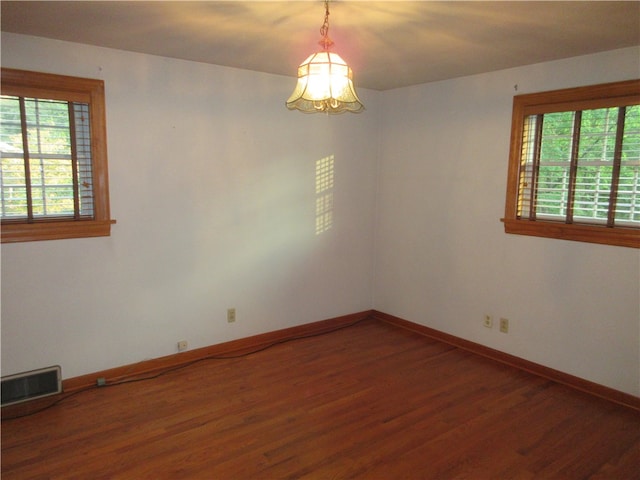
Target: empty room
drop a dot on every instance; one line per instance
(320, 239)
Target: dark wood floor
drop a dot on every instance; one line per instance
(370, 401)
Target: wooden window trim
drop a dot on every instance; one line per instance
(598, 96)
(61, 87)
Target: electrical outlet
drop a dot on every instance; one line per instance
(504, 325)
(231, 315)
(488, 321)
(182, 345)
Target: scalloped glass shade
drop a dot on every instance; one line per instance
(325, 84)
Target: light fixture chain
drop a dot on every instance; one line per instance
(324, 30)
(326, 42)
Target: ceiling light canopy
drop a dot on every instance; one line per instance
(325, 81)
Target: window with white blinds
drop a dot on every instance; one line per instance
(53, 176)
(574, 170)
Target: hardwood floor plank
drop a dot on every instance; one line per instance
(372, 401)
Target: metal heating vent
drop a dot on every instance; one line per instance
(30, 385)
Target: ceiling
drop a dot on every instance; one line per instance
(388, 44)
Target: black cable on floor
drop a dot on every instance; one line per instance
(183, 366)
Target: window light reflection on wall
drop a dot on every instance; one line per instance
(324, 194)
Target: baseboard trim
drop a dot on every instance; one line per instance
(255, 342)
(234, 347)
(557, 376)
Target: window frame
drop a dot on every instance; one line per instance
(572, 99)
(61, 87)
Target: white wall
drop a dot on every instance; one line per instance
(442, 257)
(212, 185)
(213, 189)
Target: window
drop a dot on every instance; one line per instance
(574, 165)
(53, 176)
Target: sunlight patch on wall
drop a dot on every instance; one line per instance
(324, 194)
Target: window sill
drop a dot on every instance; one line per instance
(623, 237)
(29, 232)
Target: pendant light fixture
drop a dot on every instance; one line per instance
(325, 81)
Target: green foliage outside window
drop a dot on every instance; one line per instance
(595, 165)
(50, 177)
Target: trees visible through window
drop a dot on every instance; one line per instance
(46, 159)
(53, 175)
(574, 170)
